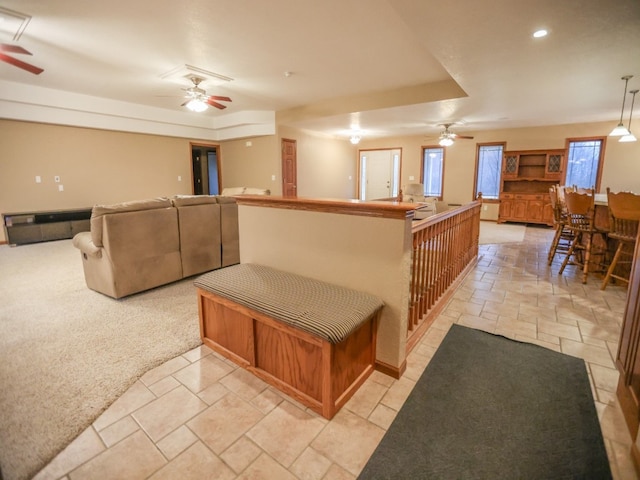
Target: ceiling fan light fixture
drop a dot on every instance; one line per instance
(196, 105)
(445, 141)
(355, 139)
(620, 129)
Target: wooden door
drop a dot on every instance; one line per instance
(289, 168)
(519, 210)
(628, 357)
(535, 210)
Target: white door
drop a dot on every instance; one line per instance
(379, 174)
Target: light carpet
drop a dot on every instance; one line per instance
(67, 352)
(492, 232)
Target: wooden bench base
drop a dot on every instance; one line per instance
(319, 374)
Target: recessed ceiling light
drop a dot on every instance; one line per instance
(540, 33)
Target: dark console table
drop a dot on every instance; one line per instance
(33, 227)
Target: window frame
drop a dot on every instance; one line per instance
(603, 146)
(444, 156)
(477, 165)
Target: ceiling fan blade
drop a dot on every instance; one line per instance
(222, 99)
(5, 47)
(20, 64)
(216, 104)
(466, 137)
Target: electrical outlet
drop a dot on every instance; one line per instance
(273, 178)
(485, 208)
(38, 179)
(411, 178)
(179, 178)
(61, 188)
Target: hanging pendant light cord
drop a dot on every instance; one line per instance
(633, 100)
(624, 95)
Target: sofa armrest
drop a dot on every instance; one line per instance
(83, 242)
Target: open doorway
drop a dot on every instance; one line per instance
(205, 167)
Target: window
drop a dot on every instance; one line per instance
(584, 162)
(488, 168)
(432, 168)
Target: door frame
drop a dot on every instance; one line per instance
(207, 146)
(359, 172)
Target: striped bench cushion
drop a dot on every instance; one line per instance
(322, 309)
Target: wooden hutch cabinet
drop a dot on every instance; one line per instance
(524, 190)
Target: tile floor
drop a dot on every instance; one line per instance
(198, 416)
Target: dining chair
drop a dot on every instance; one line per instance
(564, 235)
(581, 221)
(624, 216)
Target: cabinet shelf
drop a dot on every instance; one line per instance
(526, 178)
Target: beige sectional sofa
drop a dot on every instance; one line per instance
(135, 246)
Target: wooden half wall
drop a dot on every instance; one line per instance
(361, 245)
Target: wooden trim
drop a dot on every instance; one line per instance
(211, 146)
(397, 210)
(444, 157)
(600, 160)
(391, 370)
(477, 162)
(359, 165)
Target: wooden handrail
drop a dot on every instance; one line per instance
(380, 209)
(444, 247)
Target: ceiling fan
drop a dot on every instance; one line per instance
(5, 47)
(199, 101)
(447, 137)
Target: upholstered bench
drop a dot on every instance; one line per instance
(313, 340)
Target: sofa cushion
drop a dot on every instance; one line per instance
(222, 199)
(186, 200)
(200, 243)
(99, 210)
(143, 248)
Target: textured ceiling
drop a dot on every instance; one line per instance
(389, 67)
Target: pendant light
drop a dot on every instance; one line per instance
(630, 137)
(621, 130)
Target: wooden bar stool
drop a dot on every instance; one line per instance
(624, 215)
(564, 235)
(581, 221)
